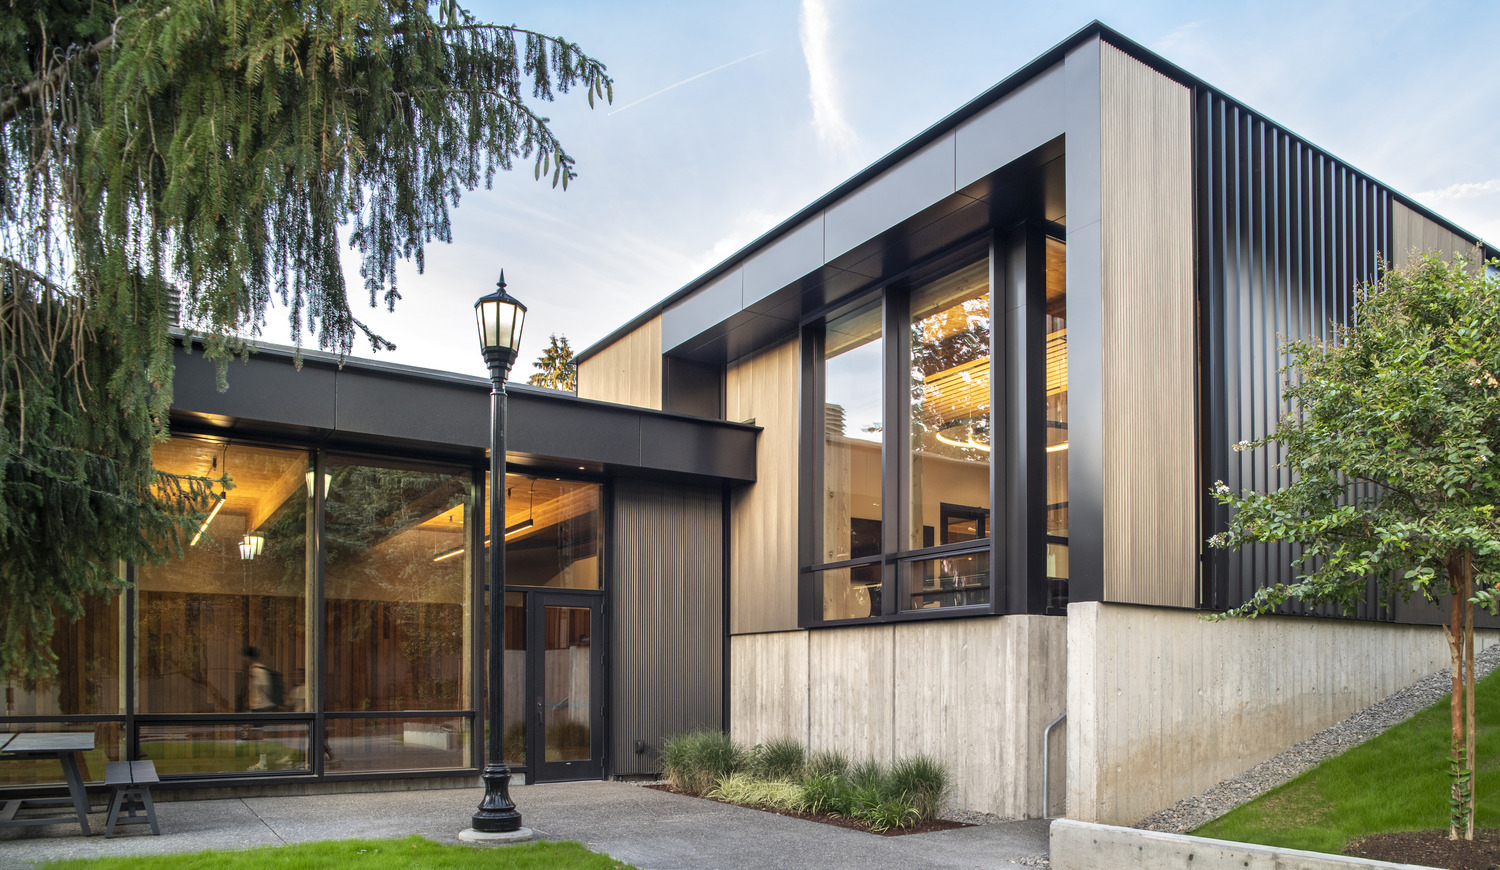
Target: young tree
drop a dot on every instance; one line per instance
(555, 367)
(189, 160)
(1390, 434)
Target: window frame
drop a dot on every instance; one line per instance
(1017, 541)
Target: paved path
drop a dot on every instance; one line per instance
(650, 829)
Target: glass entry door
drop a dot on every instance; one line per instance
(564, 688)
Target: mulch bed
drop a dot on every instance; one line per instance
(1431, 849)
(831, 819)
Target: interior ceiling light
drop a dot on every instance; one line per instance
(966, 432)
(210, 518)
(1057, 448)
(251, 545)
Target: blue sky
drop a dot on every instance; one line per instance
(799, 95)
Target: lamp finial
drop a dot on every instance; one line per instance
(500, 285)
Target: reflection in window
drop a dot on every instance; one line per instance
(950, 406)
(853, 427)
(396, 568)
(1056, 422)
(87, 652)
(566, 683)
(242, 583)
(551, 532)
(950, 581)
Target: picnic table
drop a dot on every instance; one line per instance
(68, 748)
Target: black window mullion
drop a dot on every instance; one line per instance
(810, 458)
(895, 451)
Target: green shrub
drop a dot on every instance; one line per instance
(820, 793)
(828, 763)
(889, 813)
(922, 781)
(868, 773)
(780, 759)
(694, 762)
(746, 789)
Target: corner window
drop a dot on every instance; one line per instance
(913, 394)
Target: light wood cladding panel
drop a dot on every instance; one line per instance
(1146, 284)
(1413, 235)
(627, 372)
(763, 515)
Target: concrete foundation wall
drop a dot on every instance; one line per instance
(1083, 846)
(973, 693)
(1162, 704)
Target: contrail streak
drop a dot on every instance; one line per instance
(686, 80)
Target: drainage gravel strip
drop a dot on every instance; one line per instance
(1372, 721)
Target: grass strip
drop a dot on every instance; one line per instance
(411, 852)
(1397, 781)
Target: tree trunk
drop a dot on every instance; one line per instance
(1458, 799)
(1469, 689)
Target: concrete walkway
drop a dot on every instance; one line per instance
(651, 829)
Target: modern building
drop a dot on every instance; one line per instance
(923, 469)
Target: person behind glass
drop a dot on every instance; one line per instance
(257, 696)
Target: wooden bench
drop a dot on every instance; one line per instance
(131, 781)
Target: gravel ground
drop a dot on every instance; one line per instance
(1191, 812)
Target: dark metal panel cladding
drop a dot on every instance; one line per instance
(1285, 235)
(666, 666)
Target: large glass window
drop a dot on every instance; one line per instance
(1056, 422)
(239, 589)
(551, 532)
(853, 430)
(395, 575)
(904, 434)
(948, 474)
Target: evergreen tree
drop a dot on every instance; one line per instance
(1391, 436)
(166, 161)
(555, 367)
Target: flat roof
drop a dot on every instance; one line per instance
(1007, 85)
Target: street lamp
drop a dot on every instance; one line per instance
(500, 319)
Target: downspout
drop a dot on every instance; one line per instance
(1046, 769)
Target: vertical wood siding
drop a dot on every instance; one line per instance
(666, 671)
(1415, 234)
(627, 372)
(763, 526)
(1285, 235)
(1150, 523)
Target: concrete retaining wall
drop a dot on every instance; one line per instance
(1163, 705)
(973, 693)
(1085, 846)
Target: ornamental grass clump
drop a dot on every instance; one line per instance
(696, 761)
(780, 759)
(923, 781)
(747, 789)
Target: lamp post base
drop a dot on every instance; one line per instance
(500, 838)
(497, 812)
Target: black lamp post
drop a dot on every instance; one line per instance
(500, 319)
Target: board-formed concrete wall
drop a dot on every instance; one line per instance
(1163, 704)
(973, 693)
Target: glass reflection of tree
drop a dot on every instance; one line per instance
(948, 339)
(371, 547)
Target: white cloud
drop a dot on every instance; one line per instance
(1463, 190)
(817, 50)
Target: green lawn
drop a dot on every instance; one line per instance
(411, 852)
(1395, 782)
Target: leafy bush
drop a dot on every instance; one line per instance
(694, 762)
(780, 759)
(821, 793)
(747, 789)
(868, 773)
(922, 781)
